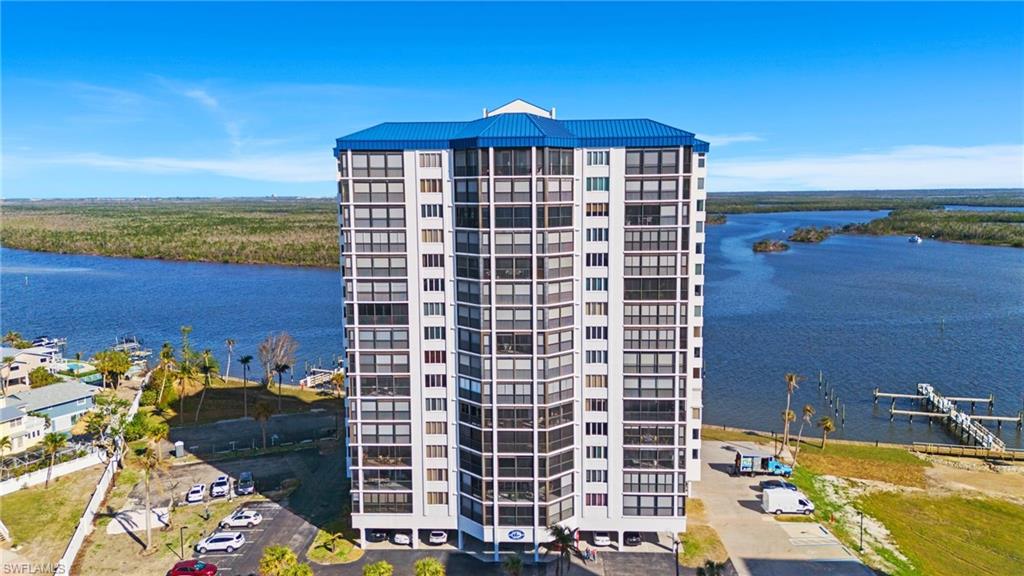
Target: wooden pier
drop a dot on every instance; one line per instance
(967, 426)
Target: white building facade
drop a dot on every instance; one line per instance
(523, 305)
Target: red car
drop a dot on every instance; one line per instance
(192, 568)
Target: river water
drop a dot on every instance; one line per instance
(865, 311)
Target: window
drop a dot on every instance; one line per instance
(700, 160)
(378, 191)
(434, 428)
(652, 161)
(433, 235)
(433, 309)
(430, 160)
(664, 189)
(698, 269)
(597, 356)
(700, 183)
(513, 217)
(381, 291)
(433, 284)
(597, 158)
(597, 499)
(433, 260)
(649, 314)
(647, 482)
(597, 209)
(596, 381)
(368, 241)
(437, 497)
(554, 216)
(599, 452)
(431, 211)
(650, 214)
(380, 217)
(597, 475)
(430, 186)
(597, 308)
(648, 387)
(650, 288)
(664, 265)
(700, 205)
(433, 332)
(597, 405)
(597, 259)
(597, 284)
(512, 191)
(597, 332)
(434, 356)
(559, 162)
(597, 429)
(435, 380)
(597, 234)
(377, 164)
(648, 362)
(597, 184)
(435, 405)
(436, 450)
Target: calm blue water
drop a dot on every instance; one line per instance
(866, 311)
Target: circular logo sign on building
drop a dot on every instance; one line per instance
(516, 535)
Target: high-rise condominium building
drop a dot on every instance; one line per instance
(523, 315)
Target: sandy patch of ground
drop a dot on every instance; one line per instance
(977, 476)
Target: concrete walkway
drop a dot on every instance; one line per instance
(757, 543)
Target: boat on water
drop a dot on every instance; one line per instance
(915, 239)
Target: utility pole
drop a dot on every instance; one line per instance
(861, 530)
(181, 541)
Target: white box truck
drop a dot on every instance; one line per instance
(784, 501)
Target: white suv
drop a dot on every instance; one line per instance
(196, 493)
(220, 487)
(221, 541)
(438, 537)
(242, 519)
(602, 539)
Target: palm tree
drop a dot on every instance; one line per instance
(513, 565)
(157, 433)
(5, 445)
(8, 360)
(278, 561)
(150, 463)
(827, 425)
(230, 344)
(711, 568)
(262, 414)
(280, 369)
(207, 368)
(808, 415)
(787, 417)
(565, 539)
(245, 361)
(338, 381)
(13, 338)
(112, 364)
(185, 373)
(166, 362)
(52, 443)
(792, 383)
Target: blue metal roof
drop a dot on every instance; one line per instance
(518, 130)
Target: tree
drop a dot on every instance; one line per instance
(513, 565)
(108, 423)
(806, 419)
(207, 368)
(788, 416)
(792, 383)
(14, 339)
(276, 349)
(5, 368)
(827, 425)
(245, 361)
(281, 561)
(40, 376)
(230, 345)
(157, 433)
(280, 369)
(112, 364)
(428, 566)
(711, 568)
(338, 382)
(5, 445)
(379, 568)
(150, 464)
(52, 443)
(262, 414)
(185, 372)
(165, 366)
(565, 539)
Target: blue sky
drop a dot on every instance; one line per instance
(201, 99)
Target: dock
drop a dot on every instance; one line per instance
(967, 426)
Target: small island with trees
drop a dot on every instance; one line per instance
(715, 219)
(770, 246)
(811, 234)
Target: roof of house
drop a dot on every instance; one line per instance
(7, 351)
(55, 394)
(518, 129)
(11, 410)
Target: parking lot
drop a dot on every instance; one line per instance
(758, 544)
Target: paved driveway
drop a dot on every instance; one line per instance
(758, 544)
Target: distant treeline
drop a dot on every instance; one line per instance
(993, 228)
(745, 203)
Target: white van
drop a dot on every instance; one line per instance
(785, 501)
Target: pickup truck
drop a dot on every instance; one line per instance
(751, 463)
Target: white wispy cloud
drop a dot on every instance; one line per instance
(203, 97)
(726, 139)
(287, 167)
(904, 167)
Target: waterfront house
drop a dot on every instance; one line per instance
(24, 430)
(64, 403)
(19, 362)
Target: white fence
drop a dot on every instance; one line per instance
(39, 476)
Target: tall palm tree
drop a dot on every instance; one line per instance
(230, 344)
(150, 463)
(7, 361)
(5, 445)
(166, 363)
(513, 565)
(52, 443)
(280, 369)
(245, 361)
(565, 539)
(788, 416)
(186, 348)
(185, 373)
(827, 425)
(338, 381)
(207, 369)
(806, 419)
(262, 414)
(12, 338)
(157, 433)
(792, 383)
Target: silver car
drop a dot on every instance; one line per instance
(221, 542)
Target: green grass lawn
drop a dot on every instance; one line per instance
(42, 520)
(864, 461)
(952, 535)
(339, 551)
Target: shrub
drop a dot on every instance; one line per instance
(40, 377)
(380, 568)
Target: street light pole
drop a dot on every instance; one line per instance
(181, 541)
(675, 552)
(861, 530)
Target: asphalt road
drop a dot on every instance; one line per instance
(245, 432)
